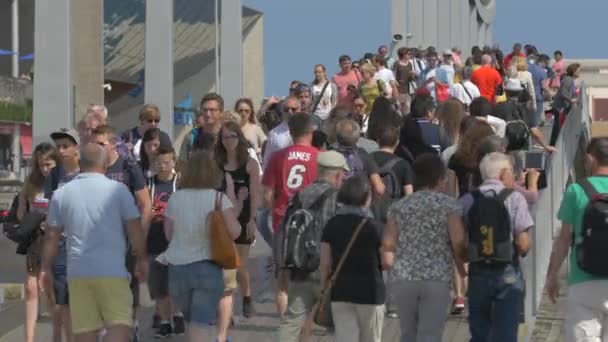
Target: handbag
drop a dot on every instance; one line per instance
(223, 249)
(322, 310)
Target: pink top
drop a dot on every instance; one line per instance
(559, 68)
(342, 81)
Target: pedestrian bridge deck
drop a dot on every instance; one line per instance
(262, 326)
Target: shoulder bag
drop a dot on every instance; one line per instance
(223, 249)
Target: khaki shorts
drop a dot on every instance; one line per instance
(99, 302)
(229, 280)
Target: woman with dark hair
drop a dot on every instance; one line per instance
(565, 98)
(152, 140)
(252, 131)
(358, 294)
(465, 160)
(324, 93)
(232, 156)
(383, 114)
(31, 198)
(423, 239)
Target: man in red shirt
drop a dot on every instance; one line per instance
(289, 170)
(487, 79)
(509, 57)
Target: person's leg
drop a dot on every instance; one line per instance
(282, 275)
(87, 337)
(242, 278)
(371, 321)
(159, 292)
(432, 316)
(507, 305)
(555, 129)
(586, 311)
(60, 309)
(117, 333)
(460, 290)
(207, 283)
(407, 300)
(67, 323)
(345, 322)
(480, 296)
(225, 305)
(264, 225)
(302, 297)
(199, 333)
(31, 306)
(391, 311)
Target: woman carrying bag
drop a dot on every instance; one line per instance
(350, 254)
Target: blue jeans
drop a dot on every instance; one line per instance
(495, 300)
(197, 289)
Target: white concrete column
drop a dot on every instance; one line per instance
(399, 21)
(159, 60)
(52, 72)
(16, 149)
(231, 54)
(15, 37)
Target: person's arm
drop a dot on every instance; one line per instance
(389, 243)
(334, 94)
(325, 263)
(255, 189)
(268, 197)
(144, 203)
(137, 241)
(532, 92)
(559, 254)
(168, 225)
(231, 221)
(408, 189)
(377, 184)
(521, 221)
(539, 137)
(21, 204)
(261, 138)
(458, 241)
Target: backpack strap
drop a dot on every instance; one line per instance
(388, 166)
(504, 194)
(588, 188)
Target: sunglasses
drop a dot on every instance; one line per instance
(153, 121)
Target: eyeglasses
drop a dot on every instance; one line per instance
(291, 109)
(203, 110)
(153, 121)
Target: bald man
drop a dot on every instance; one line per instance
(487, 79)
(93, 212)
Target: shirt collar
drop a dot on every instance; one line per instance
(90, 175)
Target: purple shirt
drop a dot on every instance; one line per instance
(516, 204)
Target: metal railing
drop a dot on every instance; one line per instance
(561, 171)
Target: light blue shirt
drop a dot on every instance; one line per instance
(93, 210)
(278, 138)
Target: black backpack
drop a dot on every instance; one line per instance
(591, 251)
(302, 232)
(393, 190)
(517, 131)
(489, 230)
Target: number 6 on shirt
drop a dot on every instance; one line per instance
(295, 177)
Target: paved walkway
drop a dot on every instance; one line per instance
(262, 326)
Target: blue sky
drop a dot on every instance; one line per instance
(300, 34)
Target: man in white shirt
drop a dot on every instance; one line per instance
(386, 75)
(465, 91)
(279, 137)
(481, 108)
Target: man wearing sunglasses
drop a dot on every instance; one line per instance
(149, 117)
(279, 137)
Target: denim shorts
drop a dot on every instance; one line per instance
(197, 289)
(60, 285)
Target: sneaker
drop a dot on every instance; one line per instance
(179, 327)
(248, 310)
(155, 321)
(392, 314)
(164, 330)
(458, 306)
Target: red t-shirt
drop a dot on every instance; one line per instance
(289, 170)
(487, 79)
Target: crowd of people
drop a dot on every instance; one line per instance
(394, 189)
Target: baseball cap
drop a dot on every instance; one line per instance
(332, 160)
(66, 133)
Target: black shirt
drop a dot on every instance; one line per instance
(468, 179)
(129, 174)
(512, 110)
(360, 279)
(402, 168)
(160, 191)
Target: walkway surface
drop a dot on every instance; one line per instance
(262, 326)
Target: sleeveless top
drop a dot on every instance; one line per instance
(240, 177)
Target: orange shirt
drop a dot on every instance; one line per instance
(487, 79)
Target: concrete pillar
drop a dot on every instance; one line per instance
(52, 69)
(87, 54)
(159, 60)
(231, 42)
(399, 21)
(16, 149)
(15, 37)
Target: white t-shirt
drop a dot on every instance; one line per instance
(388, 77)
(326, 103)
(459, 92)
